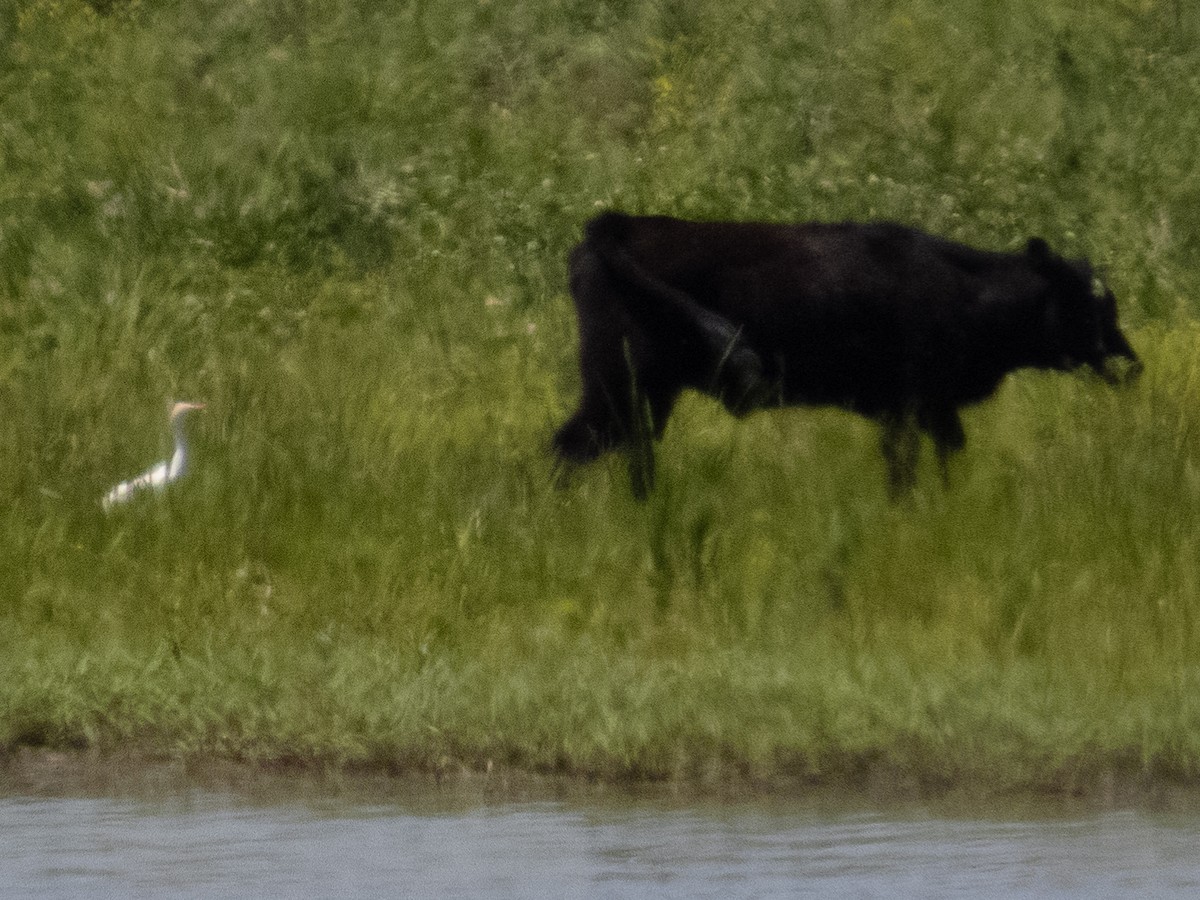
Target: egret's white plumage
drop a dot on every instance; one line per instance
(164, 472)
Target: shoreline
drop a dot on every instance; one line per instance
(143, 773)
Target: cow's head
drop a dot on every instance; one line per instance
(1080, 324)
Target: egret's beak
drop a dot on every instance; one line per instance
(186, 406)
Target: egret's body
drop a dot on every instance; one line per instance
(162, 474)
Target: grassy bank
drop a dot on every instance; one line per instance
(344, 226)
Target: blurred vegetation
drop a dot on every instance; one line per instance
(344, 225)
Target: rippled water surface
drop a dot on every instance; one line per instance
(202, 843)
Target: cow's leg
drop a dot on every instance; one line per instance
(639, 427)
(900, 442)
(635, 427)
(640, 449)
(582, 438)
(625, 405)
(944, 426)
(653, 393)
(740, 380)
(602, 421)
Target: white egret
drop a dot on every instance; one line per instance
(163, 473)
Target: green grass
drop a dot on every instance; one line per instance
(344, 225)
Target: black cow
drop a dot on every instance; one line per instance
(887, 321)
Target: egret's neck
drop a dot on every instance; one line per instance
(179, 457)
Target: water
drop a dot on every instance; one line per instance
(209, 843)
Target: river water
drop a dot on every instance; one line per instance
(202, 843)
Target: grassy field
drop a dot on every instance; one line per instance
(344, 225)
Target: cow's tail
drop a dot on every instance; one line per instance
(736, 368)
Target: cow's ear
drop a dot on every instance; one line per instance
(1038, 249)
